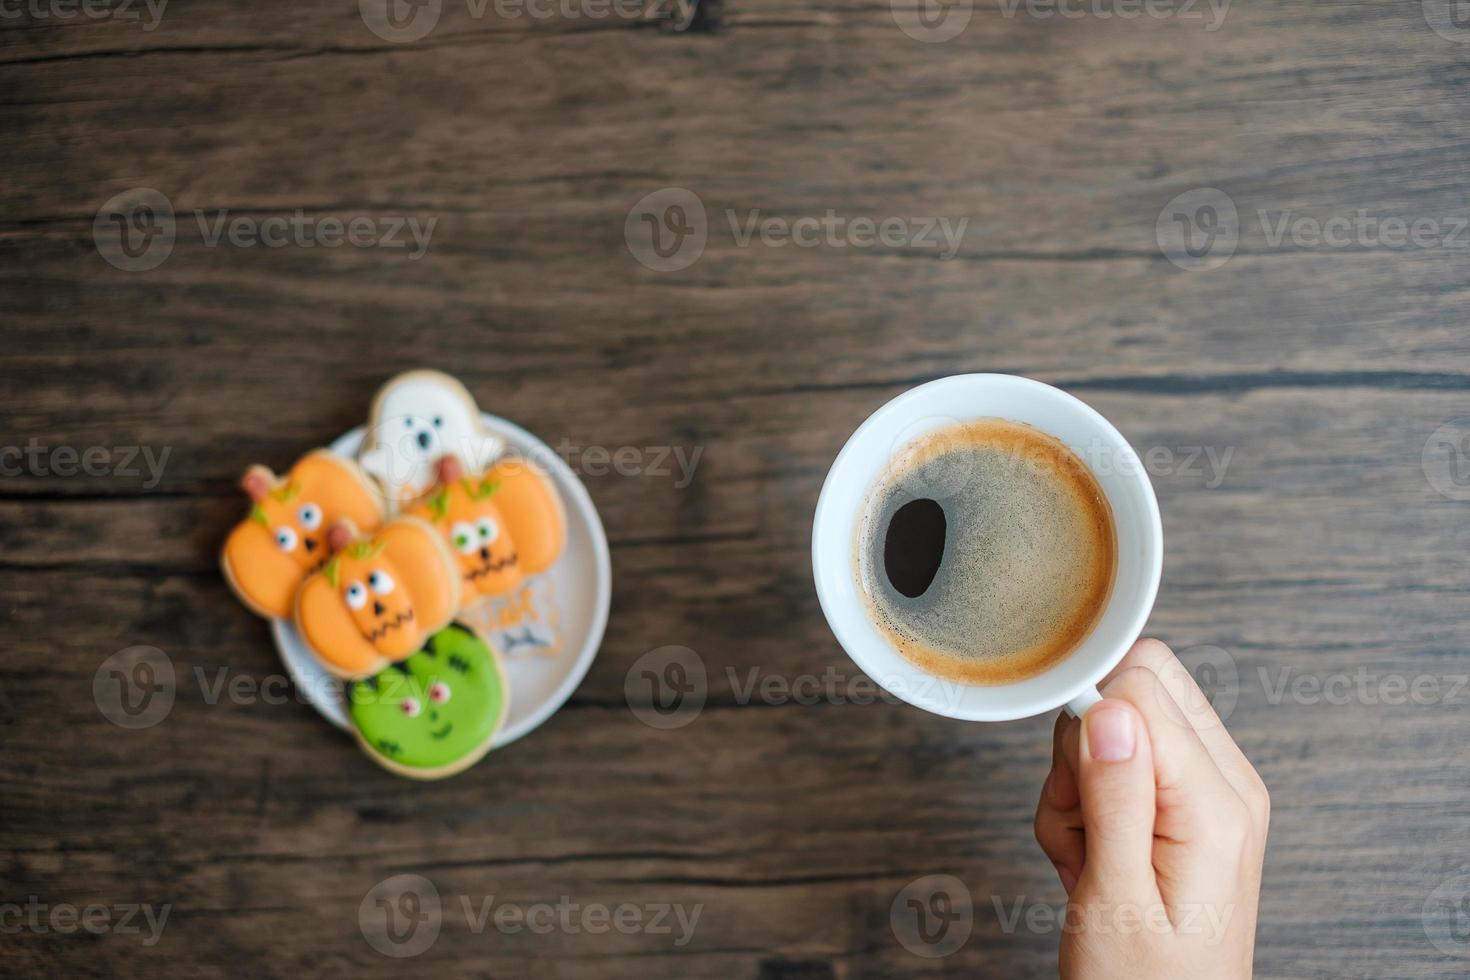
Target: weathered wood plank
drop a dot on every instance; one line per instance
(1320, 555)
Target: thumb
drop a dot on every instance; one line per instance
(1115, 778)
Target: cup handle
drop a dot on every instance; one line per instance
(1077, 707)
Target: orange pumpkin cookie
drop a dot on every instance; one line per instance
(533, 512)
(379, 597)
(463, 510)
(267, 555)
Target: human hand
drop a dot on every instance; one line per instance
(1157, 826)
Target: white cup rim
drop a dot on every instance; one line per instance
(1073, 681)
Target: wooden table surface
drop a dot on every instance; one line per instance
(1290, 385)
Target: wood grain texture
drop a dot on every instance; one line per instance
(1321, 550)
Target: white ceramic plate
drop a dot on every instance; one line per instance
(581, 580)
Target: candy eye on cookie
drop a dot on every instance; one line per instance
(309, 516)
(377, 614)
(464, 537)
(380, 582)
(302, 547)
(487, 530)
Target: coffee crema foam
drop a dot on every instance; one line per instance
(1029, 555)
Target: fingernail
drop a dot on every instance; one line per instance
(1110, 734)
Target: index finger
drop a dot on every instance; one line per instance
(1185, 704)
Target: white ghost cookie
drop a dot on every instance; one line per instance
(417, 418)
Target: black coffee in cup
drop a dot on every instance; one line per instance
(986, 551)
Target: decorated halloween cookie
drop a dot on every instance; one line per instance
(416, 418)
(463, 510)
(267, 555)
(378, 598)
(533, 512)
(435, 713)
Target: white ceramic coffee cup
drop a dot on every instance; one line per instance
(1071, 682)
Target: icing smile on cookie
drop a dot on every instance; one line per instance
(490, 566)
(395, 623)
(443, 732)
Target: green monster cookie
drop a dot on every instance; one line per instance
(435, 713)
